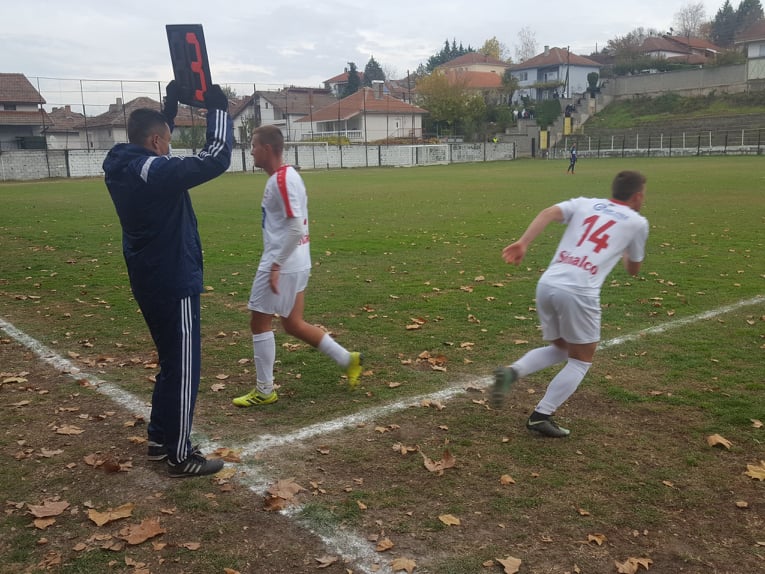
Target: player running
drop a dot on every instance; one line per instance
(283, 272)
(599, 232)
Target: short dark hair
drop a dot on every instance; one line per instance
(270, 135)
(626, 184)
(143, 123)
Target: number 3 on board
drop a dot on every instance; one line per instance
(191, 68)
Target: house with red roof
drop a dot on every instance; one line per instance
(556, 71)
(337, 84)
(368, 115)
(22, 117)
(752, 40)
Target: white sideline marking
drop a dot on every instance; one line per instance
(349, 545)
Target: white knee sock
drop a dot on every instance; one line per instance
(563, 386)
(538, 359)
(334, 351)
(264, 350)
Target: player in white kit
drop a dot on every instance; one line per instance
(283, 272)
(598, 233)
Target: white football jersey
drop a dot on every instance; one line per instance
(284, 197)
(598, 232)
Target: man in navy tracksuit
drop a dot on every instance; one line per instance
(163, 254)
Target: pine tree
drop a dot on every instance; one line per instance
(373, 71)
(354, 82)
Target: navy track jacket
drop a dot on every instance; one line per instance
(160, 240)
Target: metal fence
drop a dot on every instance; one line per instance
(750, 141)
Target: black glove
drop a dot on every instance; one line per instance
(215, 99)
(171, 102)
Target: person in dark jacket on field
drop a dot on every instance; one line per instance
(163, 253)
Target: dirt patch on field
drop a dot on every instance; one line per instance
(630, 483)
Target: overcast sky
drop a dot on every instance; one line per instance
(298, 42)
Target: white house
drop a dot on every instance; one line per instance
(285, 108)
(554, 71)
(22, 117)
(368, 115)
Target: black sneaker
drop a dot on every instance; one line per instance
(155, 451)
(194, 465)
(504, 377)
(547, 427)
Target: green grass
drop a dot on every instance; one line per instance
(389, 246)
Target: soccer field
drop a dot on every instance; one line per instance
(407, 269)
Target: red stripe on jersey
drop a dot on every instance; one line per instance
(281, 182)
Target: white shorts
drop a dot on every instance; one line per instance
(568, 316)
(263, 300)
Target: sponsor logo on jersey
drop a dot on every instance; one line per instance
(608, 210)
(581, 262)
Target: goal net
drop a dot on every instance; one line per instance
(423, 154)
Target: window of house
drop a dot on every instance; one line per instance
(523, 76)
(9, 107)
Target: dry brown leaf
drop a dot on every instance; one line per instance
(506, 479)
(217, 387)
(449, 520)
(448, 461)
(48, 508)
(756, 423)
(139, 533)
(717, 440)
(756, 471)
(742, 504)
(101, 518)
(44, 452)
(384, 544)
(403, 564)
(326, 561)
(361, 505)
(230, 571)
(582, 512)
(510, 564)
(69, 430)
(227, 454)
(598, 539)
(191, 545)
(632, 565)
(43, 523)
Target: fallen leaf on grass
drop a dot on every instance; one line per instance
(191, 545)
(48, 508)
(449, 520)
(510, 564)
(69, 430)
(632, 565)
(403, 564)
(326, 561)
(43, 523)
(227, 454)
(139, 533)
(448, 461)
(756, 423)
(598, 539)
(384, 544)
(101, 518)
(717, 440)
(506, 479)
(281, 494)
(756, 471)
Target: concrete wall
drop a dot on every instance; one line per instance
(699, 82)
(42, 164)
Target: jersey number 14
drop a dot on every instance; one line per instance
(599, 236)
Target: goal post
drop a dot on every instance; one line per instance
(307, 155)
(418, 154)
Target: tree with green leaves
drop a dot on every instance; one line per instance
(354, 82)
(447, 54)
(724, 26)
(493, 48)
(749, 11)
(373, 72)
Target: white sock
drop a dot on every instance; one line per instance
(563, 386)
(264, 350)
(538, 359)
(334, 351)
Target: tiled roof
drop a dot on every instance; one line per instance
(10, 118)
(298, 101)
(118, 114)
(238, 105)
(754, 32)
(472, 58)
(64, 119)
(16, 89)
(343, 78)
(475, 80)
(358, 103)
(695, 43)
(657, 44)
(555, 57)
